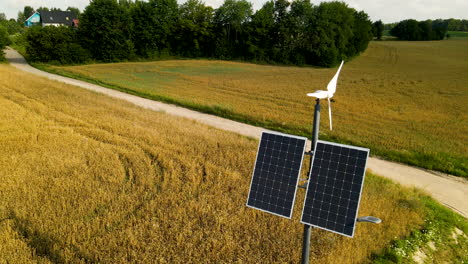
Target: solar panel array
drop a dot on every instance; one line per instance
(335, 185)
(276, 173)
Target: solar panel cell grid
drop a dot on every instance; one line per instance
(276, 173)
(334, 189)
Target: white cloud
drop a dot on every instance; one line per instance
(386, 10)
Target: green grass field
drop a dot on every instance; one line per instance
(91, 179)
(458, 34)
(407, 101)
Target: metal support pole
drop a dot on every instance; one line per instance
(308, 228)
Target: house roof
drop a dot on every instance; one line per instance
(57, 17)
(31, 16)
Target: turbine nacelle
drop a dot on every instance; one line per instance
(331, 88)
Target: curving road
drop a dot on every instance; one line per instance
(448, 190)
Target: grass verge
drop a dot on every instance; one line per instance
(442, 239)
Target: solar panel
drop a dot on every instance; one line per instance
(335, 186)
(276, 173)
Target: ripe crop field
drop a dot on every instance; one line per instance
(407, 101)
(90, 179)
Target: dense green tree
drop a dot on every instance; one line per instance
(28, 11)
(439, 29)
(143, 33)
(453, 24)
(4, 41)
(281, 31)
(54, 44)
(154, 24)
(165, 19)
(42, 8)
(260, 29)
(194, 29)
(362, 34)
(127, 4)
(280, 34)
(105, 30)
(406, 30)
(299, 21)
(3, 17)
(12, 26)
(331, 32)
(377, 29)
(20, 18)
(229, 20)
(424, 30)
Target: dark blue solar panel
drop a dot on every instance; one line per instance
(335, 185)
(276, 173)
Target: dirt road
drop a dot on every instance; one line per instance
(449, 190)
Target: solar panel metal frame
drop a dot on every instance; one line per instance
(314, 183)
(297, 180)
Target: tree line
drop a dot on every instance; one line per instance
(296, 32)
(411, 29)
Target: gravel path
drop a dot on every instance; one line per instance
(449, 190)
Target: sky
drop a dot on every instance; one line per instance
(386, 10)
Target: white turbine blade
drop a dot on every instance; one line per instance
(329, 113)
(331, 87)
(319, 94)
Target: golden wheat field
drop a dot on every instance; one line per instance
(89, 179)
(402, 99)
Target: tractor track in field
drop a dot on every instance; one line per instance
(449, 190)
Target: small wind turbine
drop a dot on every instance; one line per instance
(331, 88)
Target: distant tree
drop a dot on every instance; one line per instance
(28, 11)
(75, 11)
(439, 29)
(424, 30)
(20, 18)
(464, 25)
(105, 30)
(377, 29)
(407, 30)
(453, 24)
(41, 9)
(3, 17)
